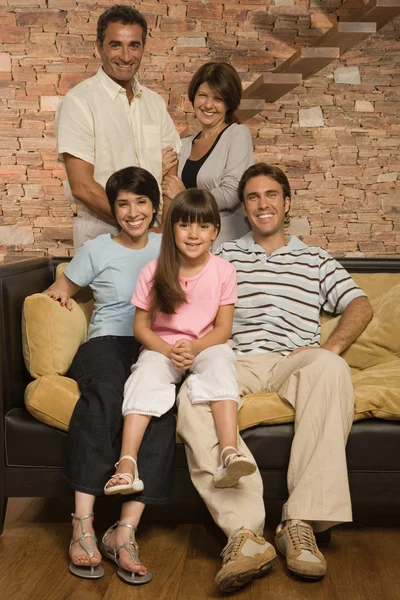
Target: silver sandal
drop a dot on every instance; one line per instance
(86, 571)
(111, 552)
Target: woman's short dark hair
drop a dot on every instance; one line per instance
(120, 13)
(137, 181)
(271, 171)
(222, 78)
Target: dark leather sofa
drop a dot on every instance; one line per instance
(31, 453)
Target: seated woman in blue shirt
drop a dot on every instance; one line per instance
(110, 266)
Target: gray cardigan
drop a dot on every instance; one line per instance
(221, 173)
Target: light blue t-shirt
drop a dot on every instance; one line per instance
(111, 270)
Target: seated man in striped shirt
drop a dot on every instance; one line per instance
(283, 284)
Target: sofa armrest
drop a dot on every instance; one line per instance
(17, 280)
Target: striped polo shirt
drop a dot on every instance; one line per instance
(280, 296)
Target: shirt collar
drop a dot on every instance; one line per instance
(247, 243)
(114, 89)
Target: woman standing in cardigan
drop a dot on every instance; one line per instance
(217, 156)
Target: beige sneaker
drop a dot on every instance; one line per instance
(245, 557)
(296, 541)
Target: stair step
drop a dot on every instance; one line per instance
(249, 108)
(344, 35)
(308, 61)
(271, 86)
(379, 12)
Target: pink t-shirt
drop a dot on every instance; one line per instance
(213, 287)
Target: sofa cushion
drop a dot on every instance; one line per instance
(51, 335)
(380, 340)
(377, 394)
(51, 399)
(264, 408)
(377, 391)
(376, 284)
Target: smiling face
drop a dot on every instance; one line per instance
(209, 107)
(134, 214)
(193, 240)
(121, 52)
(265, 207)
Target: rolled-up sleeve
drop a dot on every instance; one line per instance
(337, 288)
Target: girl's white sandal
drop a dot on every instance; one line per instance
(133, 485)
(234, 466)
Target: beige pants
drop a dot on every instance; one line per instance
(317, 383)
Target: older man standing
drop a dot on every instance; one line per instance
(110, 121)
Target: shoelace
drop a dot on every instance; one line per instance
(232, 547)
(302, 537)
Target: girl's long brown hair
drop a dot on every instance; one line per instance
(189, 206)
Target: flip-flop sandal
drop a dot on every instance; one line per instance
(111, 552)
(86, 571)
(134, 484)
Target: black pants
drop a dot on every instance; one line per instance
(101, 367)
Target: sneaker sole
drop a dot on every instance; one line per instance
(235, 472)
(230, 584)
(299, 573)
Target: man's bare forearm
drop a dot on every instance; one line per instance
(94, 197)
(85, 189)
(353, 321)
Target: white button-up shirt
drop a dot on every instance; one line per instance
(96, 123)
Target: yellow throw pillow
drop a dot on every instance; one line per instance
(51, 399)
(377, 391)
(376, 284)
(380, 340)
(264, 408)
(51, 335)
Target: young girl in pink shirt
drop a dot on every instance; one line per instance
(184, 312)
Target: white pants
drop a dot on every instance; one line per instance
(87, 226)
(150, 389)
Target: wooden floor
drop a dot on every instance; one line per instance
(363, 562)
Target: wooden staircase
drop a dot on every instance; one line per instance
(304, 63)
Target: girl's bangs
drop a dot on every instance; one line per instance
(195, 210)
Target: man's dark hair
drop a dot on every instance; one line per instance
(274, 173)
(120, 14)
(137, 181)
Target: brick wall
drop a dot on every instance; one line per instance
(337, 135)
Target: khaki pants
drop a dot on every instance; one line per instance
(317, 383)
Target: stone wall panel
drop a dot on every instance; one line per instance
(344, 165)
